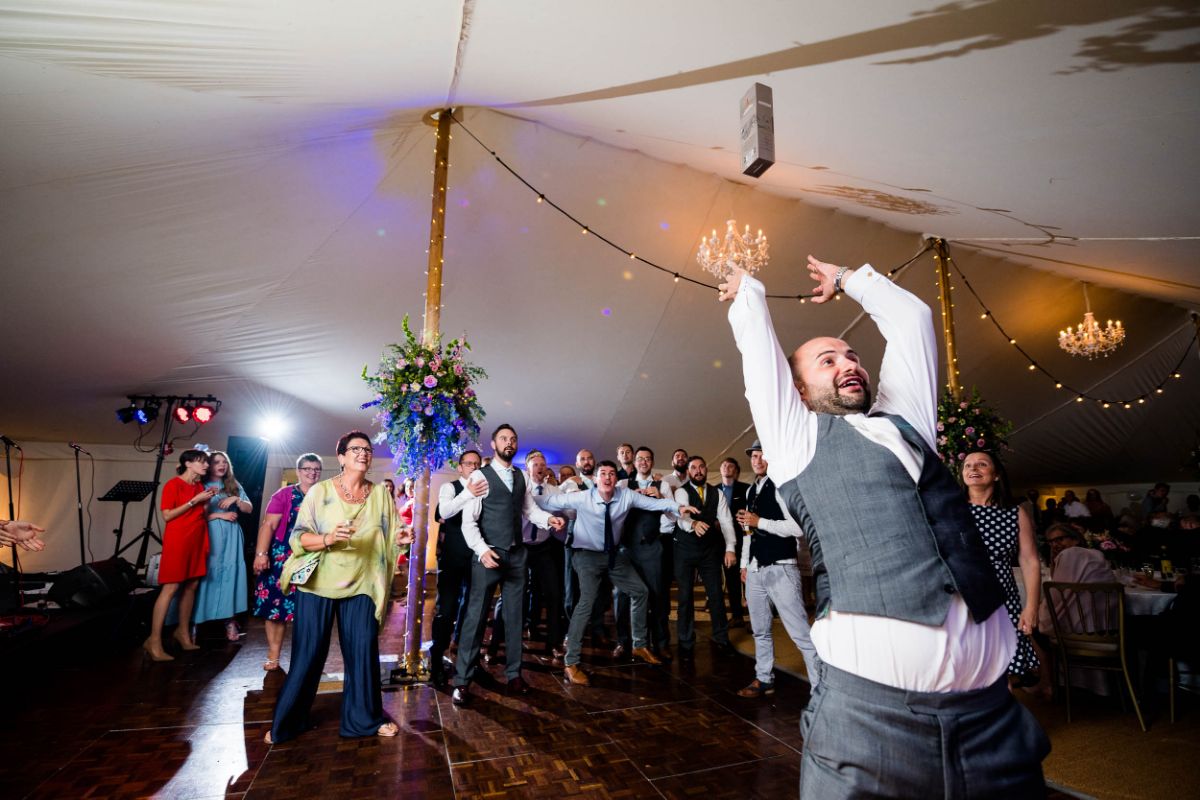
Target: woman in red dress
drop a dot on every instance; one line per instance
(185, 549)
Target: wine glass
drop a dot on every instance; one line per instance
(352, 526)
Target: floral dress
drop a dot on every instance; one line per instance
(999, 528)
(270, 602)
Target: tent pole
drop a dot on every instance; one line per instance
(429, 334)
(942, 257)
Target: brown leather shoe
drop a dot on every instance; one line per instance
(645, 655)
(576, 676)
(757, 689)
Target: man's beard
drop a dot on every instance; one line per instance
(507, 453)
(680, 468)
(587, 471)
(832, 401)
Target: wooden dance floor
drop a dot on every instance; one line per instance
(102, 722)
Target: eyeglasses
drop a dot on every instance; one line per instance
(313, 470)
(359, 449)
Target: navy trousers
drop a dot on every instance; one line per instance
(864, 739)
(362, 691)
(453, 583)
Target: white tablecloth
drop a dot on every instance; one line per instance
(1139, 601)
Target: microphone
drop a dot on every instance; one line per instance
(10, 442)
(74, 446)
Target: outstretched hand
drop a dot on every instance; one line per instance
(824, 274)
(729, 289)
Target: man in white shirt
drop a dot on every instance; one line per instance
(771, 572)
(454, 561)
(492, 526)
(584, 479)
(911, 629)
(705, 544)
(545, 565)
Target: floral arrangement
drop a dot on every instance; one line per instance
(966, 424)
(1112, 548)
(428, 411)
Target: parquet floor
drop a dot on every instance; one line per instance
(105, 723)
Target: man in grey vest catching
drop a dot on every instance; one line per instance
(911, 630)
(491, 527)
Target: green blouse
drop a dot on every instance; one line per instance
(368, 568)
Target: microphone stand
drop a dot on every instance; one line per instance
(79, 503)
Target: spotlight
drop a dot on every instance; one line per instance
(203, 413)
(272, 427)
(125, 414)
(148, 412)
(183, 413)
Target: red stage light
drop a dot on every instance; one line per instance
(203, 414)
(182, 413)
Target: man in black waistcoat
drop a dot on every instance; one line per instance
(454, 562)
(911, 630)
(641, 540)
(735, 495)
(492, 529)
(705, 544)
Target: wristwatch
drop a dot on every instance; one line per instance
(837, 279)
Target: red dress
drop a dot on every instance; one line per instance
(185, 538)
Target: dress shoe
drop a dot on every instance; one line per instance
(517, 686)
(460, 697)
(618, 652)
(576, 676)
(437, 674)
(645, 655)
(664, 655)
(757, 689)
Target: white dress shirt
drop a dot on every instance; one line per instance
(724, 518)
(671, 482)
(778, 527)
(957, 655)
(450, 503)
(471, 532)
(534, 534)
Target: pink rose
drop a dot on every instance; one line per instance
(420, 362)
(969, 431)
(941, 426)
(964, 405)
(430, 381)
(962, 456)
(458, 369)
(980, 443)
(952, 420)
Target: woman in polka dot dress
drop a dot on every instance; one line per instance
(1007, 530)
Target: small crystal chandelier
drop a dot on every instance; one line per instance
(1089, 339)
(738, 250)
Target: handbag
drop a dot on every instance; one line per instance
(305, 567)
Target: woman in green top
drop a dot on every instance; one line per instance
(350, 529)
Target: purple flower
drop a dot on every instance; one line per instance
(969, 431)
(952, 420)
(458, 369)
(430, 381)
(420, 362)
(980, 443)
(962, 456)
(964, 405)
(429, 411)
(469, 392)
(401, 363)
(941, 426)
(1108, 545)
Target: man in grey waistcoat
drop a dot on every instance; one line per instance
(911, 630)
(491, 527)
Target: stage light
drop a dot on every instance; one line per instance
(203, 413)
(183, 413)
(125, 414)
(272, 427)
(148, 412)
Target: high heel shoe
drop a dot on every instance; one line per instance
(187, 646)
(231, 631)
(156, 653)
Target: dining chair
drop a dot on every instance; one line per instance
(1089, 631)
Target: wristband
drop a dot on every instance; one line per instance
(837, 280)
(325, 540)
(264, 555)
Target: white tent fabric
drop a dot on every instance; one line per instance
(234, 198)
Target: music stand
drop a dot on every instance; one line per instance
(126, 492)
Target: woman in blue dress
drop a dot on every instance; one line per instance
(222, 593)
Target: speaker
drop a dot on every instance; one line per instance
(93, 584)
(248, 454)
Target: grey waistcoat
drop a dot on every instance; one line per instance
(880, 544)
(500, 514)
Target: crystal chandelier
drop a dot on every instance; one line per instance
(737, 251)
(1089, 339)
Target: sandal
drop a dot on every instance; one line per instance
(231, 631)
(271, 664)
(387, 730)
(267, 737)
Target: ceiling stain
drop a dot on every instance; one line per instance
(873, 198)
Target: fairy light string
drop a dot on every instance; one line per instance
(1080, 396)
(586, 230)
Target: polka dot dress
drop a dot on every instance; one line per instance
(998, 526)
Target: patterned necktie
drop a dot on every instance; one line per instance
(610, 546)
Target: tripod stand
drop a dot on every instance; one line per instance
(126, 492)
(148, 533)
